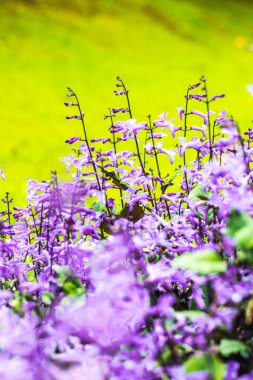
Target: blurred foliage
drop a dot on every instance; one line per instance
(157, 47)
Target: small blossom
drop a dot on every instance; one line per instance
(180, 111)
(72, 140)
(162, 122)
(194, 143)
(201, 114)
(117, 110)
(200, 129)
(197, 96)
(217, 97)
(119, 92)
(75, 117)
(195, 85)
(129, 128)
(101, 139)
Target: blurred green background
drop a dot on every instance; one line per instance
(158, 47)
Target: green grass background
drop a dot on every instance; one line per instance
(158, 47)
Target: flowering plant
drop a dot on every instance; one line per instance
(141, 266)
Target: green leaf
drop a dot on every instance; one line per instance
(236, 221)
(73, 287)
(70, 284)
(203, 262)
(190, 314)
(31, 275)
(97, 206)
(240, 227)
(47, 298)
(165, 356)
(207, 362)
(198, 193)
(229, 347)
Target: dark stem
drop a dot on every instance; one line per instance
(86, 138)
(115, 152)
(185, 130)
(155, 151)
(136, 141)
(210, 135)
(8, 200)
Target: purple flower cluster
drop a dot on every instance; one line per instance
(141, 266)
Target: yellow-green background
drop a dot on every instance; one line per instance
(157, 46)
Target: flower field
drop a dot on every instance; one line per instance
(141, 265)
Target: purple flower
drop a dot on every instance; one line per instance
(232, 370)
(75, 117)
(101, 139)
(180, 111)
(171, 153)
(195, 85)
(194, 143)
(117, 110)
(119, 92)
(201, 114)
(162, 122)
(217, 97)
(72, 140)
(197, 96)
(129, 128)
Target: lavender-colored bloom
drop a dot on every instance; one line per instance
(101, 139)
(201, 114)
(200, 129)
(171, 153)
(75, 117)
(194, 143)
(117, 110)
(162, 122)
(138, 198)
(72, 140)
(119, 92)
(217, 97)
(129, 128)
(180, 111)
(195, 85)
(197, 96)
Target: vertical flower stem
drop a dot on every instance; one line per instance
(155, 151)
(243, 150)
(185, 130)
(157, 162)
(8, 200)
(115, 152)
(104, 188)
(135, 139)
(86, 137)
(210, 135)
